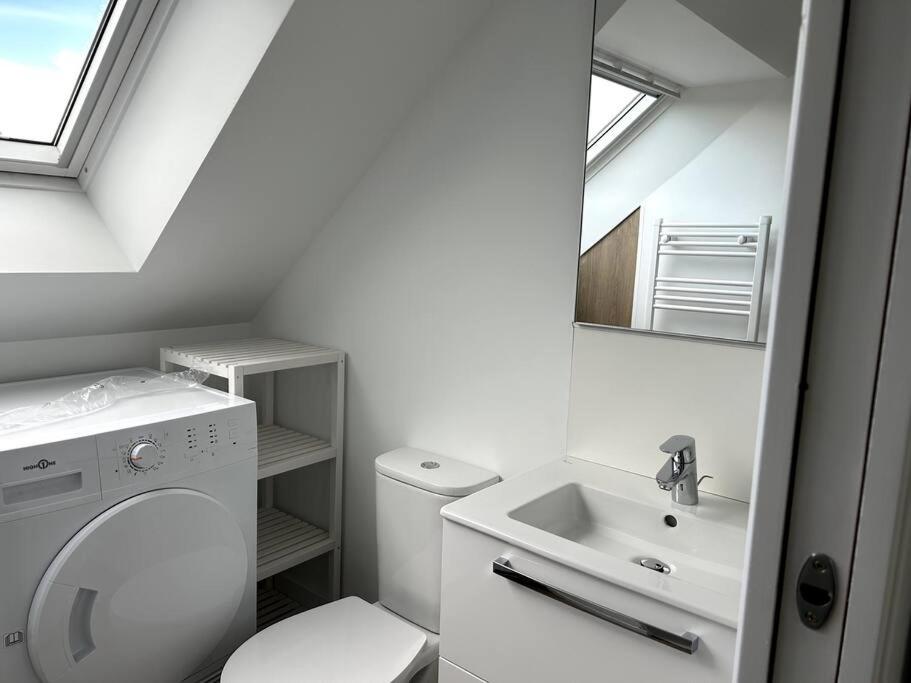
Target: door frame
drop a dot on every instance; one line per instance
(812, 112)
(845, 465)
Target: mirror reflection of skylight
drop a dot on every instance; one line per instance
(612, 109)
(44, 45)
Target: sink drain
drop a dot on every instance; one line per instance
(655, 565)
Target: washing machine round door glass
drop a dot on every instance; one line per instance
(143, 593)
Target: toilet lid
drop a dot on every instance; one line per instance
(348, 641)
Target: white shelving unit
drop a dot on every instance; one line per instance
(283, 540)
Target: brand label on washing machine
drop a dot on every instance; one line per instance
(43, 478)
(42, 464)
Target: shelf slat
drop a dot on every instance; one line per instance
(283, 541)
(250, 355)
(282, 450)
(272, 606)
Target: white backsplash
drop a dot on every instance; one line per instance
(630, 391)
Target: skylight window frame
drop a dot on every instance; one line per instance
(612, 68)
(106, 80)
(622, 114)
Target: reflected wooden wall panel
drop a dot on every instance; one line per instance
(607, 276)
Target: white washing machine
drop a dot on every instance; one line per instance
(127, 536)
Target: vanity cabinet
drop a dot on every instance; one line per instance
(502, 631)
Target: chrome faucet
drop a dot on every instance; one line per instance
(678, 474)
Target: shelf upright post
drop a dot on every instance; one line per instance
(268, 418)
(335, 479)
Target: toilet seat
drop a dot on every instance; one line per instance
(346, 641)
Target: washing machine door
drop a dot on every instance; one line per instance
(143, 593)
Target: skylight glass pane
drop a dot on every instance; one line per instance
(608, 99)
(43, 47)
(613, 108)
(612, 133)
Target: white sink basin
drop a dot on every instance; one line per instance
(604, 521)
(686, 547)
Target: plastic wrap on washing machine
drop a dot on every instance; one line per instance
(98, 396)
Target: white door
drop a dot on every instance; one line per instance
(826, 458)
(143, 593)
(879, 603)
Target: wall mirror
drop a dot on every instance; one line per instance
(684, 183)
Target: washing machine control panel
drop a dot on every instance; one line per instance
(170, 450)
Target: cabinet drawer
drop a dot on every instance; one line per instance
(450, 673)
(503, 631)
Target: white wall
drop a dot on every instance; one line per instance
(737, 178)
(170, 126)
(54, 231)
(37, 358)
(630, 391)
(448, 273)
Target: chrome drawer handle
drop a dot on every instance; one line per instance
(688, 642)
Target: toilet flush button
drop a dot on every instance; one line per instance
(430, 464)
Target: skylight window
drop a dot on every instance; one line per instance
(625, 100)
(613, 108)
(67, 67)
(45, 49)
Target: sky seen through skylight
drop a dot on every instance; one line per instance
(43, 45)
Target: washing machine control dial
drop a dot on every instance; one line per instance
(143, 455)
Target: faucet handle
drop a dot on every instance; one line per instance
(680, 443)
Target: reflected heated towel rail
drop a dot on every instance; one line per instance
(704, 294)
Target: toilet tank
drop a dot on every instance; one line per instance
(411, 487)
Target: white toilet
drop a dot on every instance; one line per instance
(397, 638)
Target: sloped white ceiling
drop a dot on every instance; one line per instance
(333, 86)
(670, 40)
(769, 29)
